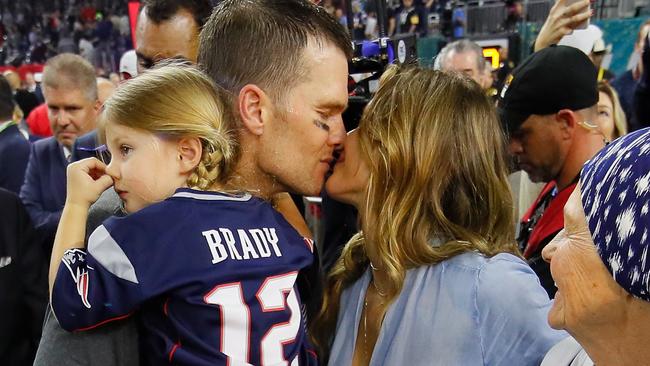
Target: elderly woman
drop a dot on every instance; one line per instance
(434, 277)
(600, 260)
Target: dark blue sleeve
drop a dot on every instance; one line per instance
(32, 197)
(13, 162)
(96, 286)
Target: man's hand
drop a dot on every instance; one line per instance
(562, 20)
(87, 179)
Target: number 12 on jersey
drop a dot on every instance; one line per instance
(236, 319)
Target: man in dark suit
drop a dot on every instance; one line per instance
(23, 283)
(14, 147)
(70, 90)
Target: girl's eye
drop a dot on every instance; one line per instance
(125, 150)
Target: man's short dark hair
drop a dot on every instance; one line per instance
(261, 42)
(6, 100)
(162, 10)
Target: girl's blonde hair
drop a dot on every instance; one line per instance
(437, 188)
(178, 100)
(620, 122)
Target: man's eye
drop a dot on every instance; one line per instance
(322, 125)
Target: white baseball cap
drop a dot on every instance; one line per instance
(129, 64)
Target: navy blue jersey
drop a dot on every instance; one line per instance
(213, 276)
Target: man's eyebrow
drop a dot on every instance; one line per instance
(333, 106)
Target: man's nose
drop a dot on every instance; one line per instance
(62, 118)
(515, 147)
(337, 132)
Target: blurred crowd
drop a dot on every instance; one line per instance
(471, 216)
(32, 32)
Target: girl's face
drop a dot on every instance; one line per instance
(349, 180)
(145, 168)
(606, 115)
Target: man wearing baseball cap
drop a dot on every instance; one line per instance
(548, 108)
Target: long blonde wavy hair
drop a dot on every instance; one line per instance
(437, 188)
(178, 100)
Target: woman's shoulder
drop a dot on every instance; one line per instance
(496, 280)
(477, 262)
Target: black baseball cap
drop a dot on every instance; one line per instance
(554, 78)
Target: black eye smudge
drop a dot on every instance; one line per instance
(322, 125)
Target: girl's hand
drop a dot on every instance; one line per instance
(562, 20)
(87, 179)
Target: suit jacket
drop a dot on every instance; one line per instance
(84, 146)
(23, 283)
(112, 344)
(14, 154)
(44, 189)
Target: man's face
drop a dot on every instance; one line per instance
(536, 146)
(299, 138)
(173, 38)
(465, 63)
(71, 113)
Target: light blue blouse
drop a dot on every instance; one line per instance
(468, 310)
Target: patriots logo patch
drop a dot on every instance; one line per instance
(74, 260)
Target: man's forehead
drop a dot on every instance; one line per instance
(176, 37)
(462, 60)
(69, 94)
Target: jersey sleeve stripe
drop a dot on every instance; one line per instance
(103, 322)
(212, 196)
(109, 254)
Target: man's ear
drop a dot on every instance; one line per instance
(567, 121)
(189, 152)
(251, 103)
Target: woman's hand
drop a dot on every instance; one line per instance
(87, 179)
(562, 20)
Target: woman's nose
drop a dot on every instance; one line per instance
(550, 248)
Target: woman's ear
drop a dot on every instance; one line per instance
(190, 152)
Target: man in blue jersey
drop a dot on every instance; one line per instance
(288, 90)
(286, 138)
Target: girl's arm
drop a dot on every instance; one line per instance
(86, 180)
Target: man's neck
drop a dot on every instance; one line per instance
(584, 148)
(247, 177)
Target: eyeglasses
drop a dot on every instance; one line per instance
(101, 152)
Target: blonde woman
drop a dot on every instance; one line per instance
(611, 117)
(211, 272)
(434, 277)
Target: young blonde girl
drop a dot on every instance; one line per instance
(212, 273)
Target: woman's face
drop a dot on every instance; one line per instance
(606, 115)
(587, 294)
(349, 180)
